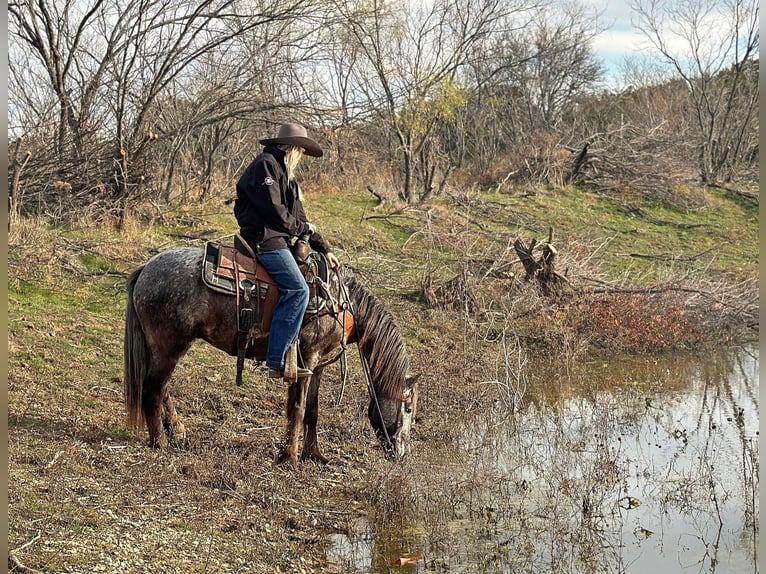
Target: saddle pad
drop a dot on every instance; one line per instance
(218, 269)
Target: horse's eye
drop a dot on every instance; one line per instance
(408, 409)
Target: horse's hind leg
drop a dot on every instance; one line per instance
(310, 418)
(152, 407)
(159, 408)
(171, 423)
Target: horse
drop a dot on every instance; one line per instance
(169, 306)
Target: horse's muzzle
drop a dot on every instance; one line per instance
(397, 448)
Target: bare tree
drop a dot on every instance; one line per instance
(713, 46)
(527, 84)
(406, 58)
(557, 63)
(115, 72)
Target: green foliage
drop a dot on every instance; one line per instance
(427, 112)
(95, 262)
(120, 433)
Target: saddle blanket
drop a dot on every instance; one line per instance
(224, 267)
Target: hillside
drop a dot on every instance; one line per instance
(86, 495)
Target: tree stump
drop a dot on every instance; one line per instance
(542, 269)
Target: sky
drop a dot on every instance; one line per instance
(621, 39)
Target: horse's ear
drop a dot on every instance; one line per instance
(411, 380)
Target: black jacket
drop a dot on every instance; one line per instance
(268, 208)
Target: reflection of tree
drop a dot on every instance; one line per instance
(732, 391)
(704, 490)
(747, 377)
(595, 481)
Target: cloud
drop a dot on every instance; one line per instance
(620, 42)
(614, 13)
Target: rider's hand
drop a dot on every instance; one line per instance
(312, 228)
(332, 260)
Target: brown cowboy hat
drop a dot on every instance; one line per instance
(295, 134)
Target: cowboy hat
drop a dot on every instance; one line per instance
(295, 134)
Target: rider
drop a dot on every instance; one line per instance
(270, 214)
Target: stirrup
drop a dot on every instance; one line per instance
(302, 373)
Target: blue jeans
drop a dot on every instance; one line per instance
(288, 315)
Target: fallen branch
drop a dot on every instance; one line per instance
(643, 215)
(505, 180)
(668, 256)
(398, 213)
(578, 164)
(15, 565)
(752, 197)
(381, 199)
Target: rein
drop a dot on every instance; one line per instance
(363, 360)
(343, 292)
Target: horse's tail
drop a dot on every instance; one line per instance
(136, 358)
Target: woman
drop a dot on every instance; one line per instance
(271, 216)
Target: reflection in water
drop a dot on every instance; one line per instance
(636, 466)
(351, 554)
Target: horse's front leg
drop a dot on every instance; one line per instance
(310, 443)
(296, 410)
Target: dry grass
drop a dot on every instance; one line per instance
(101, 501)
(87, 495)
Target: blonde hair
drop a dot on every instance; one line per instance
(293, 156)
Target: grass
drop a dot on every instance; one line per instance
(721, 238)
(627, 241)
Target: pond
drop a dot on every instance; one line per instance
(633, 465)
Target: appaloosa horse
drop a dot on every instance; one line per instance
(169, 306)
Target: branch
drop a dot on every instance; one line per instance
(754, 198)
(399, 212)
(381, 199)
(15, 565)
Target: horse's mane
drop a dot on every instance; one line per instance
(379, 341)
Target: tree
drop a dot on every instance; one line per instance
(406, 56)
(117, 71)
(713, 46)
(529, 79)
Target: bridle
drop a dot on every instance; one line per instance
(348, 308)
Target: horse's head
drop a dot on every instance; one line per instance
(392, 419)
(393, 392)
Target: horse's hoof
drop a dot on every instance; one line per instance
(158, 443)
(285, 458)
(315, 456)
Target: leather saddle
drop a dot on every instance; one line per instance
(234, 270)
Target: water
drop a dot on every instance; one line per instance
(629, 466)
